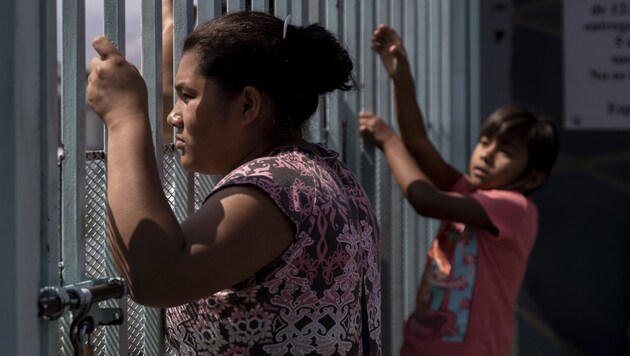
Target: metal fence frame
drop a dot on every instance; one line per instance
(438, 35)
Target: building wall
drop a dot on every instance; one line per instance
(578, 277)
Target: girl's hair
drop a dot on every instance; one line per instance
(537, 131)
(248, 48)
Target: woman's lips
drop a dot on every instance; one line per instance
(180, 146)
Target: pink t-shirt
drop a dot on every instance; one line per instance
(465, 303)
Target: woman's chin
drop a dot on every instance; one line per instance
(190, 166)
(185, 162)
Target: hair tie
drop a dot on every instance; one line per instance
(286, 25)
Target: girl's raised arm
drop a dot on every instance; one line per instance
(388, 45)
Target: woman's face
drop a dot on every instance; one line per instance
(207, 124)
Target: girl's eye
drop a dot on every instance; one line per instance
(484, 141)
(506, 151)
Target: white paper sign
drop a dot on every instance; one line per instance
(596, 64)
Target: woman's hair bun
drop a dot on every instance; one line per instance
(320, 63)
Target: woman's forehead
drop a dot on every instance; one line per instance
(188, 69)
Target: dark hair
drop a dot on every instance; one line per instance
(247, 48)
(536, 130)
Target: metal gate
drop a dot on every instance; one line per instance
(436, 34)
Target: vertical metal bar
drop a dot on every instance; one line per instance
(474, 73)
(183, 25)
(314, 11)
(367, 88)
(459, 81)
(434, 112)
(368, 64)
(409, 243)
(10, 265)
(207, 10)
(419, 41)
(19, 183)
(383, 103)
(114, 24)
(313, 130)
(282, 8)
(380, 105)
(235, 5)
(383, 190)
(261, 5)
(298, 13)
(351, 11)
(114, 21)
(397, 210)
(73, 138)
(445, 80)
(393, 204)
(423, 87)
(151, 24)
(433, 89)
(49, 123)
(332, 119)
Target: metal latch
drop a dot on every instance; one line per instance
(80, 299)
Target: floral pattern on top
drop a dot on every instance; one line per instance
(322, 296)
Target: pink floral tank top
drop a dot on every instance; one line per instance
(322, 296)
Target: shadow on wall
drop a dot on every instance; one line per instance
(575, 298)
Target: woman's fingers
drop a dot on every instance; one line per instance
(105, 48)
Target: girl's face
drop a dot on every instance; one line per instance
(207, 125)
(498, 165)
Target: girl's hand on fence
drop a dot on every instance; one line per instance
(116, 90)
(374, 129)
(388, 45)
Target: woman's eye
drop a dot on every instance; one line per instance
(184, 97)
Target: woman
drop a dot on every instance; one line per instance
(283, 256)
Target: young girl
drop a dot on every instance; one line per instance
(465, 303)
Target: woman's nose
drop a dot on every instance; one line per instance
(174, 119)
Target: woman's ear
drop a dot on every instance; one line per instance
(252, 104)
